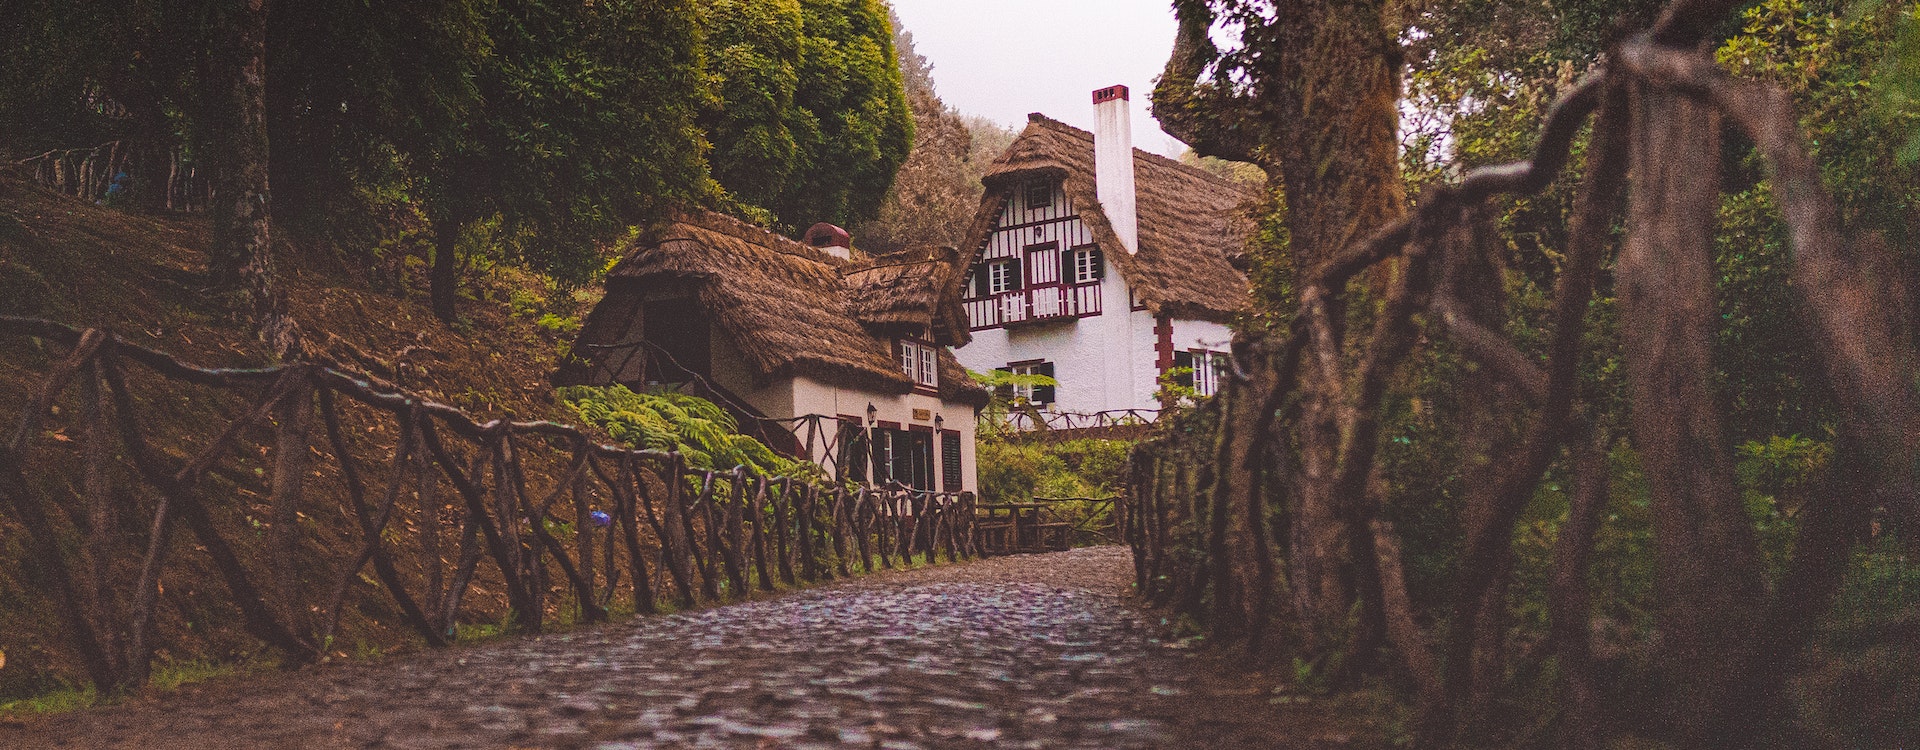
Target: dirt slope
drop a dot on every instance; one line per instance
(143, 276)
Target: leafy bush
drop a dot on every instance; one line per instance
(1012, 472)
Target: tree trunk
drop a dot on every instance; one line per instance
(1339, 167)
(1325, 131)
(1710, 577)
(445, 279)
(242, 256)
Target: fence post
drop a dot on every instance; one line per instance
(41, 538)
(525, 562)
(295, 414)
(882, 516)
(735, 541)
(759, 506)
(625, 486)
(781, 504)
(703, 507)
(837, 528)
(863, 527)
(678, 537)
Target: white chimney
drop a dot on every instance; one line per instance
(1113, 163)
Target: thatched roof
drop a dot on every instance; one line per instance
(784, 305)
(1191, 223)
(908, 292)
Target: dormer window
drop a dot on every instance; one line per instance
(921, 362)
(1039, 195)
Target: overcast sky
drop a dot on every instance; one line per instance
(1005, 58)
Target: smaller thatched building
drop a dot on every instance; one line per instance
(817, 348)
(1061, 208)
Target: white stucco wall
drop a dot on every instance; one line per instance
(1105, 362)
(814, 397)
(801, 396)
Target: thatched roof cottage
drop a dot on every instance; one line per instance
(1062, 206)
(815, 343)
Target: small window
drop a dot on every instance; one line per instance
(1038, 395)
(1207, 368)
(1084, 265)
(920, 361)
(1039, 195)
(1000, 277)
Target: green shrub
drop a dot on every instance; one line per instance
(668, 420)
(1013, 472)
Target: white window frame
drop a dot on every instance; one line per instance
(1206, 371)
(921, 362)
(1000, 277)
(1025, 391)
(1086, 265)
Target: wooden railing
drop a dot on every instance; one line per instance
(98, 473)
(1050, 302)
(1042, 525)
(1025, 421)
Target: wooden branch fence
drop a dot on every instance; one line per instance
(1032, 425)
(87, 173)
(1215, 525)
(612, 527)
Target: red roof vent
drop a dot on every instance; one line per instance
(828, 235)
(1110, 93)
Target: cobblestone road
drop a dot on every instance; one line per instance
(1036, 651)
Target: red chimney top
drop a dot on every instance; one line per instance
(828, 235)
(1110, 93)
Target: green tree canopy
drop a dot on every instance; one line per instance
(811, 119)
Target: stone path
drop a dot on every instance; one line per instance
(1033, 651)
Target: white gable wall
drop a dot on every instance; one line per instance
(1106, 362)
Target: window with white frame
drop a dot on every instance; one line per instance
(1083, 265)
(920, 361)
(1000, 278)
(1038, 395)
(1207, 368)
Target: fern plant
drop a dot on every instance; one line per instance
(667, 420)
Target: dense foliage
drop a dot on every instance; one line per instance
(1014, 471)
(527, 131)
(1479, 78)
(938, 188)
(667, 420)
(811, 119)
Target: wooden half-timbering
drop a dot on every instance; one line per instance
(1039, 263)
(1064, 270)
